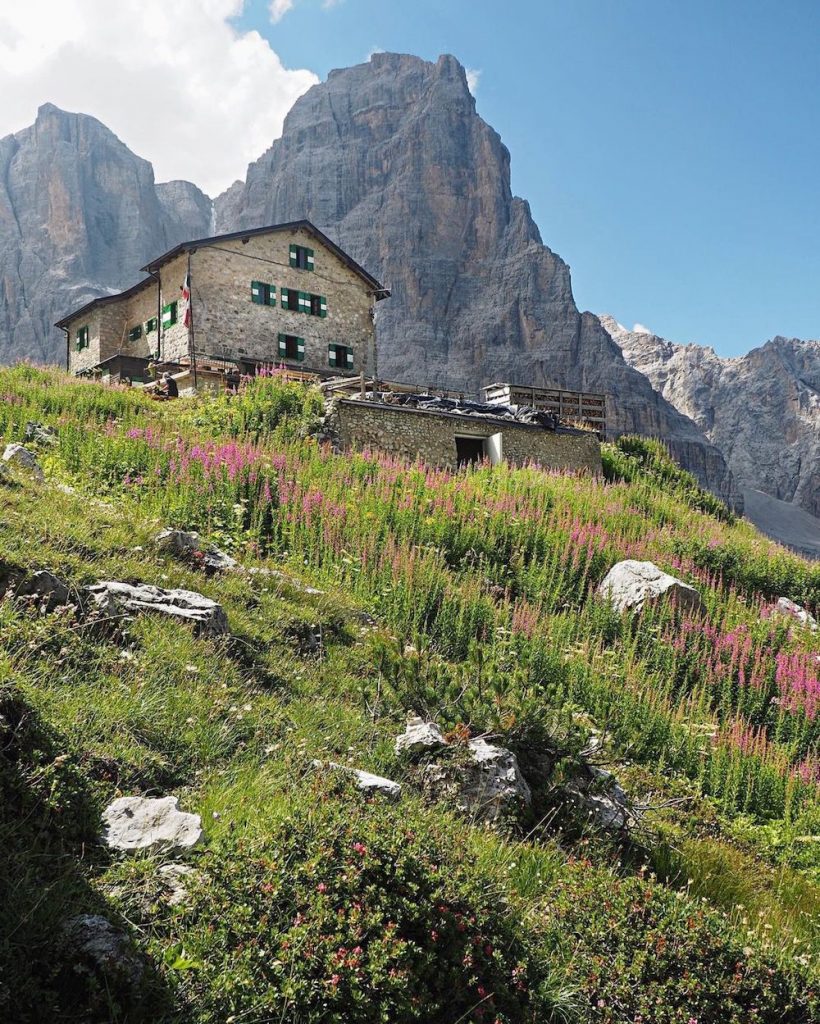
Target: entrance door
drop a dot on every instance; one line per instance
(469, 450)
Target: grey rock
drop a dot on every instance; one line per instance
(601, 796)
(79, 215)
(174, 878)
(53, 591)
(487, 787)
(98, 946)
(796, 611)
(150, 824)
(631, 585)
(373, 785)
(762, 410)
(38, 434)
(419, 737)
(19, 456)
(188, 544)
(113, 597)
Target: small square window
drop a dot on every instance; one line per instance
(169, 314)
(301, 258)
(151, 325)
(82, 338)
(135, 333)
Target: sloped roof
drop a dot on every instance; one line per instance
(379, 291)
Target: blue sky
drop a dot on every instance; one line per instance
(670, 150)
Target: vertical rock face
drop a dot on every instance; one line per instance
(762, 409)
(391, 159)
(79, 214)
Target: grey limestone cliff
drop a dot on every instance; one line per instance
(762, 409)
(79, 215)
(391, 159)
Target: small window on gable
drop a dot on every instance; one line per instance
(169, 314)
(340, 357)
(301, 258)
(291, 299)
(82, 338)
(263, 294)
(135, 333)
(291, 347)
(151, 325)
(315, 305)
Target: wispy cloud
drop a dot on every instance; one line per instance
(279, 8)
(473, 76)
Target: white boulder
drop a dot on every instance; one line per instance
(419, 736)
(631, 585)
(487, 787)
(375, 785)
(113, 597)
(796, 611)
(150, 824)
(22, 457)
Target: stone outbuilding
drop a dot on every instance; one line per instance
(282, 295)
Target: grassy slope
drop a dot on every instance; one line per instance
(312, 904)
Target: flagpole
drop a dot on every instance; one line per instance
(191, 345)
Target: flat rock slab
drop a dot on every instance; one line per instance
(631, 585)
(418, 737)
(22, 457)
(150, 824)
(107, 952)
(188, 544)
(375, 785)
(185, 605)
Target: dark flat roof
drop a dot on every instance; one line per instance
(379, 290)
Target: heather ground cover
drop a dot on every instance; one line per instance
(481, 584)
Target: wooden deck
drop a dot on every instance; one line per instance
(587, 407)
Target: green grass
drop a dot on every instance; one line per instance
(481, 588)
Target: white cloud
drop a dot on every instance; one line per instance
(473, 76)
(640, 329)
(279, 8)
(373, 50)
(176, 82)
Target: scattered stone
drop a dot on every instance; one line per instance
(630, 585)
(487, 787)
(114, 598)
(419, 737)
(47, 586)
(40, 434)
(599, 793)
(796, 611)
(188, 544)
(104, 951)
(375, 785)
(173, 877)
(150, 824)
(17, 455)
(284, 578)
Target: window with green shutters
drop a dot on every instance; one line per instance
(340, 357)
(291, 299)
(82, 338)
(263, 294)
(135, 333)
(301, 258)
(169, 314)
(151, 325)
(291, 347)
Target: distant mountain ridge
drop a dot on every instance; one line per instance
(762, 409)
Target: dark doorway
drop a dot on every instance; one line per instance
(469, 450)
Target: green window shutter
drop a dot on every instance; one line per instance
(331, 355)
(283, 345)
(135, 333)
(256, 292)
(304, 302)
(309, 259)
(169, 314)
(271, 296)
(151, 325)
(349, 358)
(322, 306)
(294, 255)
(300, 349)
